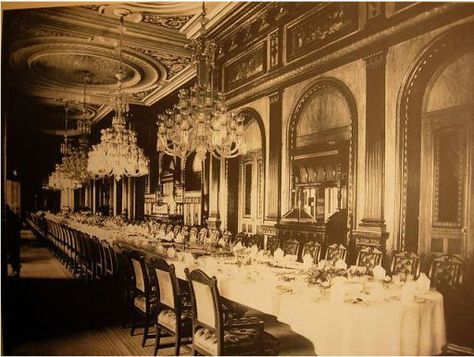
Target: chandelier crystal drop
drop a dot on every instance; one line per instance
(118, 154)
(200, 121)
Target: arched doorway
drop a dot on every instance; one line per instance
(245, 178)
(193, 190)
(321, 144)
(437, 147)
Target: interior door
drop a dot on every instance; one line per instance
(446, 223)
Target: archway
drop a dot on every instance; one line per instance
(322, 142)
(436, 115)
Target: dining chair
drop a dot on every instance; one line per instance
(202, 236)
(313, 249)
(242, 238)
(369, 257)
(290, 248)
(335, 252)
(258, 240)
(405, 263)
(211, 334)
(144, 302)
(174, 310)
(273, 243)
(446, 272)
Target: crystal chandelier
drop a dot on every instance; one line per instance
(75, 163)
(61, 177)
(118, 154)
(200, 121)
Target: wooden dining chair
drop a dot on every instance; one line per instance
(313, 249)
(291, 248)
(174, 311)
(258, 240)
(211, 334)
(369, 257)
(446, 272)
(144, 302)
(273, 243)
(405, 263)
(335, 252)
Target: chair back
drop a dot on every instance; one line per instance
(405, 263)
(369, 257)
(167, 283)
(273, 243)
(140, 271)
(205, 299)
(335, 252)
(291, 247)
(313, 249)
(258, 240)
(446, 271)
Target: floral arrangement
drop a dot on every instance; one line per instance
(324, 275)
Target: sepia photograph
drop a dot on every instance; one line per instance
(266, 178)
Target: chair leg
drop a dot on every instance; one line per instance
(145, 331)
(132, 329)
(177, 343)
(157, 339)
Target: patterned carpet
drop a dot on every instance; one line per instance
(48, 313)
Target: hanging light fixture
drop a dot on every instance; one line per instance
(118, 154)
(61, 178)
(200, 121)
(75, 163)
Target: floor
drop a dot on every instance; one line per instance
(49, 313)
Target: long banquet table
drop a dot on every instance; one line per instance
(378, 324)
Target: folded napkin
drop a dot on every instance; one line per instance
(379, 272)
(340, 264)
(159, 249)
(171, 252)
(321, 264)
(253, 250)
(278, 254)
(237, 247)
(423, 283)
(307, 261)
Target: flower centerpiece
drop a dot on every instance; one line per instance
(324, 275)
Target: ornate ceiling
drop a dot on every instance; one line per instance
(50, 48)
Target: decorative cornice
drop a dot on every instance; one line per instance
(349, 49)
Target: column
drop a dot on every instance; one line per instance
(371, 229)
(125, 196)
(114, 197)
(214, 214)
(273, 179)
(273, 170)
(130, 199)
(94, 196)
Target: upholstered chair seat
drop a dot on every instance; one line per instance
(167, 318)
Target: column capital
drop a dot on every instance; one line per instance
(275, 97)
(376, 59)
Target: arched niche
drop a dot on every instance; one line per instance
(246, 176)
(193, 173)
(322, 136)
(433, 108)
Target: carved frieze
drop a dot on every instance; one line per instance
(171, 22)
(327, 24)
(247, 67)
(174, 64)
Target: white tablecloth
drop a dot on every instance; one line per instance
(380, 327)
